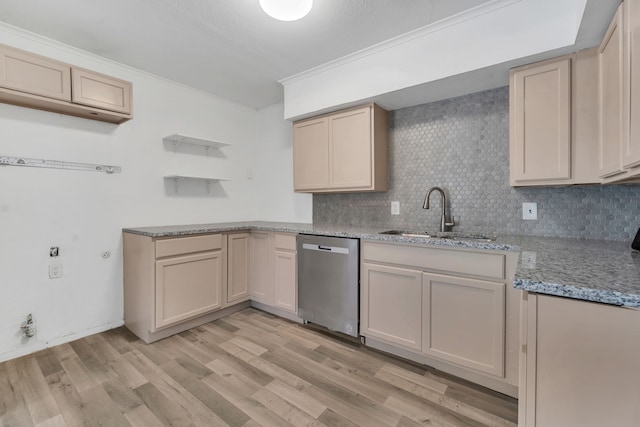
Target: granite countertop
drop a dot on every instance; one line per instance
(591, 270)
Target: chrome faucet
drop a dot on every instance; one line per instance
(445, 222)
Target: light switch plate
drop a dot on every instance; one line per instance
(530, 211)
(395, 208)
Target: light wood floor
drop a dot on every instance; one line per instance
(248, 369)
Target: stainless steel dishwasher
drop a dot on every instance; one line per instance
(328, 282)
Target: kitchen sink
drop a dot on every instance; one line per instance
(451, 235)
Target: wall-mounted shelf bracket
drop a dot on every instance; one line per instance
(176, 139)
(177, 178)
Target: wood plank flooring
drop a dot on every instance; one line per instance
(248, 369)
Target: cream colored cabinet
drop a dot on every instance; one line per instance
(172, 284)
(238, 267)
(611, 98)
(554, 121)
(631, 148)
(187, 286)
(34, 81)
(579, 364)
(100, 91)
(274, 280)
(311, 155)
(448, 308)
(34, 74)
(341, 152)
(285, 266)
(463, 321)
(391, 304)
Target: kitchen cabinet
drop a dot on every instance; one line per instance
(578, 364)
(285, 266)
(391, 301)
(34, 74)
(97, 90)
(464, 321)
(344, 151)
(448, 308)
(620, 96)
(34, 81)
(554, 118)
(273, 274)
(238, 267)
(172, 284)
(611, 98)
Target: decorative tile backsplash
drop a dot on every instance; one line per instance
(462, 145)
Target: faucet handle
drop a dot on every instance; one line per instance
(451, 223)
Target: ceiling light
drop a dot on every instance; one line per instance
(286, 10)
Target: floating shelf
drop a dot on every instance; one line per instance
(177, 178)
(177, 139)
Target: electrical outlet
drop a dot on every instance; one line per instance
(530, 211)
(395, 208)
(55, 270)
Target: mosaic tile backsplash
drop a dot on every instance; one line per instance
(462, 145)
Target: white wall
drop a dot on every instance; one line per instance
(274, 170)
(83, 212)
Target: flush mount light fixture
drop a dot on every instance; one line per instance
(286, 10)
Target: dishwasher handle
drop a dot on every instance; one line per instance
(332, 249)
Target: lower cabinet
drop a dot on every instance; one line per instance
(273, 270)
(579, 364)
(457, 323)
(187, 286)
(173, 284)
(391, 304)
(238, 267)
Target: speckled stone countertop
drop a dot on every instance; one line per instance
(591, 270)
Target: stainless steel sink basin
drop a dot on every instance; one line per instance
(451, 235)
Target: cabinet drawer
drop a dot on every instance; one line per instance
(286, 241)
(456, 261)
(185, 245)
(100, 91)
(27, 72)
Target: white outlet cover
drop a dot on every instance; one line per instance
(530, 211)
(395, 208)
(55, 270)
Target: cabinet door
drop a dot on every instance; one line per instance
(286, 284)
(27, 72)
(631, 152)
(187, 286)
(238, 267)
(261, 273)
(391, 304)
(311, 154)
(350, 149)
(100, 91)
(581, 364)
(611, 97)
(463, 321)
(540, 110)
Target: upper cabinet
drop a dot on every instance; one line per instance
(100, 91)
(554, 121)
(34, 74)
(342, 152)
(619, 57)
(33, 81)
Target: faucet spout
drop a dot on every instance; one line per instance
(446, 222)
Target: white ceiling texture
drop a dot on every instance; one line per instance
(231, 48)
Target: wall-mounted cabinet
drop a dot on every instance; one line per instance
(619, 55)
(554, 121)
(342, 152)
(34, 81)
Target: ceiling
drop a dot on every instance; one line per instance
(230, 48)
